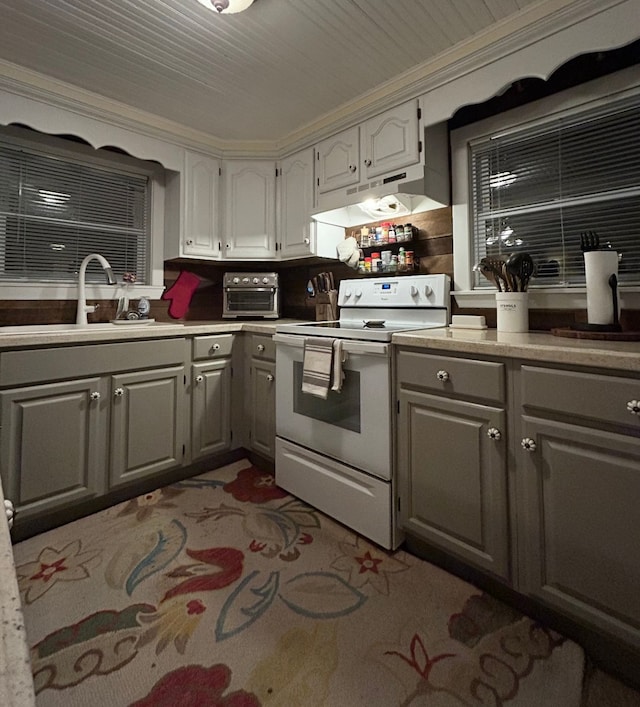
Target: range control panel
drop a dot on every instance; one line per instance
(396, 291)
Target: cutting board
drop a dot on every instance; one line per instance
(599, 335)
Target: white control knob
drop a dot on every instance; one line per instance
(236, 280)
(427, 290)
(414, 291)
(347, 294)
(358, 293)
(245, 280)
(265, 280)
(255, 281)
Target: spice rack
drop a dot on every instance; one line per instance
(384, 249)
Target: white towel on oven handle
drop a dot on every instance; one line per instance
(317, 366)
(339, 357)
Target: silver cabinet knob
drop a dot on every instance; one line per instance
(213, 349)
(118, 392)
(199, 379)
(367, 163)
(442, 376)
(352, 168)
(95, 395)
(260, 347)
(528, 444)
(633, 406)
(270, 377)
(494, 433)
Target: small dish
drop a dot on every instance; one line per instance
(139, 322)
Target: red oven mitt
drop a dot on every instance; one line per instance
(180, 294)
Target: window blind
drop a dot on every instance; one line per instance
(54, 211)
(536, 189)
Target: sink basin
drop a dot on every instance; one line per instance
(52, 328)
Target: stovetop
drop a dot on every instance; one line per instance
(375, 309)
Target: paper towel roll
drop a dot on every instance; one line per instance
(599, 265)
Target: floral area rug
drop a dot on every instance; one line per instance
(225, 590)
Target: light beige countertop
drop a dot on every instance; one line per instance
(536, 346)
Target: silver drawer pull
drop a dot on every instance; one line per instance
(214, 348)
(199, 379)
(118, 392)
(528, 444)
(442, 376)
(260, 347)
(633, 406)
(95, 395)
(270, 377)
(494, 433)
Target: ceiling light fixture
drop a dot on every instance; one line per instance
(226, 7)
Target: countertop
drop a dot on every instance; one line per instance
(15, 676)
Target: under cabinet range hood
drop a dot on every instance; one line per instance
(412, 190)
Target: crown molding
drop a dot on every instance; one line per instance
(503, 39)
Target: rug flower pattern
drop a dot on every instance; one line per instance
(225, 590)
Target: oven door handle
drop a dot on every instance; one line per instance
(349, 346)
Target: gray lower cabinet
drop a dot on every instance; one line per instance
(262, 395)
(451, 451)
(211, 394)
(78, 421)
(53, 444)
(147, 424)
(578, 486)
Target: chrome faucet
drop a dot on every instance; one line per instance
(83, 307)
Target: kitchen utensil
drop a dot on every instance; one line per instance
(613, 284)
(491, 268)
(589, 240)
(527, 270)
(311, 290)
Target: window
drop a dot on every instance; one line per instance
(59, 204)
(534, 186)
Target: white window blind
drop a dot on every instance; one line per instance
(55, 210)
(536, 189)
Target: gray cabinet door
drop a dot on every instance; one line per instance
(578, 529)
(211, 407)
(452, 477)
(53, 444)
(263, 407)
(147, 434)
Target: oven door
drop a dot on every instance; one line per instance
(352, 426)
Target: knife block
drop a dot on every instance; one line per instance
(327, 306)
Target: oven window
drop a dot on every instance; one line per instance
(339, 409)
(250, 300)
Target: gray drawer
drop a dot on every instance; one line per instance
(262, 347)
(214, 346)
(578, 394)
(463, 378)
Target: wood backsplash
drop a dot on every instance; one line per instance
(433, 253)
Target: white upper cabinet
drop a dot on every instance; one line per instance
(192, 209)
(249, 194)
(338, 159)
(379, 146)
(295, 202)
(391, 140)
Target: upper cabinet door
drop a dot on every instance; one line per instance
(338, 160)
(391, 140)
(249, 208)
(295, 192)
(201, 206)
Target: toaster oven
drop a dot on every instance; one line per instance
(254, 295)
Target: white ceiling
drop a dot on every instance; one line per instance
(258, 75)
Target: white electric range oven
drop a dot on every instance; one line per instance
(336, 452)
